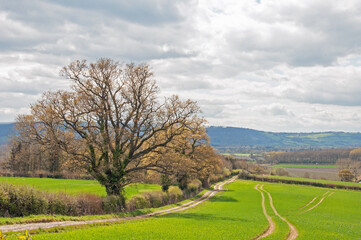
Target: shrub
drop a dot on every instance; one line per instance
(235, 172)
(113, 204)
(137, 202)
(194, 186)
(175, 194)
(215, 178)
(156, 198)
(4, 202)
(89, 204)
(22, 200)
(226, 172)
(244, 175)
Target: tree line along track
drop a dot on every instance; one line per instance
(35, 226)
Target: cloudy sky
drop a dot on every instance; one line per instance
(270, 65)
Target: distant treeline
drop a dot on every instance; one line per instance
(263, 149)
(325, 156)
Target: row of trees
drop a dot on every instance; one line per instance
(325, 156)
(113, 126)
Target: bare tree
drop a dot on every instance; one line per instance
(111, 121)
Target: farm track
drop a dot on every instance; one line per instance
(293, 233)
(271, 225)
(35, 226)
(309, 203)
(325, 195)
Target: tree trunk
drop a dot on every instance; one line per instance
(205, 183)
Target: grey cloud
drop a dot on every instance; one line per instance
(314, 33)
(141, 11)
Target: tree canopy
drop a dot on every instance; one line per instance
(112, 123)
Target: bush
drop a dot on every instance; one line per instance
(175, 194)
(21, 201)
(113, 204)
(194, 186)
(235, 172)
(226, 172)
(216, 178)
(156, 199)
(89, 204)
(244, 174)
(137, 202)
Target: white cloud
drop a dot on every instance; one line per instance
(273, 65)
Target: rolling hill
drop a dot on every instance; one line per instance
(5, 130)
(231, 136)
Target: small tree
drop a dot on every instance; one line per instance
(346, 175)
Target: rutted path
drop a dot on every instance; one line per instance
(309, 202)
(271, 226)
(34, 226)
(293, 233)
(325, 195)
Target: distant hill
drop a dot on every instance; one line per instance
(231, 137)
(5, 130)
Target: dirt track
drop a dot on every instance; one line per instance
(293, 233)
(271, 224)
(34, 226)
(325, 195)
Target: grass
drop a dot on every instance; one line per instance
(234, 214)
(337, 217)
(317, 180)
(74, 186)
(304, 166)
(237, 214)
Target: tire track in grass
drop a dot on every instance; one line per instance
(293, 233)
(309, 203)
(35, 226)
(325, 195)
(271, 225)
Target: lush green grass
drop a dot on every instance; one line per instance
(317, 180)
(337, 217)
(75, 187)
(235, 214)
(304, 166)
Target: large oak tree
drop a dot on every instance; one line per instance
(112, 120)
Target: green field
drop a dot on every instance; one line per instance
(75, 187)
(337, 217)
(304, 166)
(237, 214)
